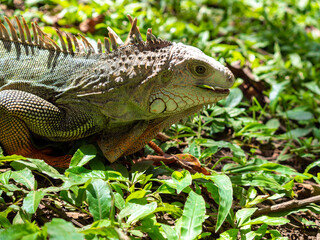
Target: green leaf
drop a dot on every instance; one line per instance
(119, 201)
(231, 234)
(110, 232)
(5, 177)
(136, 195)
(141, 211)
(314, 87)
(276, 89)
(273, 124)
(267, 220)
(170, 233)
(32, 200)
(18, 231)
(298, 115)
(59, 229)
(4, 222)
(225, 196)
(243, 215)
(149, 225)
(174, 210)
(193, 216)
(99, 199)
(40, 166)
(83, 155)
(234, 98)
(237, 151)
(252, 179)
(24, 177)
(296, 133)
(183, 179)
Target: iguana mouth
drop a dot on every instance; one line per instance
(214, 89)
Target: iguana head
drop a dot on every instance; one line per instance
(162, 80)
(192, 80)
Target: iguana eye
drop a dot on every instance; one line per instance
(199, 70)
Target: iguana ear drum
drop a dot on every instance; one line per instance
(157, 106)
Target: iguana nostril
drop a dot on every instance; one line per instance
(229, 75)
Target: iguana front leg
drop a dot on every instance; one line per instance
(23, 113)
(119, 144)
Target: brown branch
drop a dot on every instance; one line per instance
(287, 206)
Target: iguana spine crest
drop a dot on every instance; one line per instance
(73, 45)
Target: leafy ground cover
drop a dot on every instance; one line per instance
(261, 144)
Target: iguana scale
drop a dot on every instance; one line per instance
(125, 96)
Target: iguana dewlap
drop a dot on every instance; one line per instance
(124, 96)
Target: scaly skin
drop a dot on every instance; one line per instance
(124, 96)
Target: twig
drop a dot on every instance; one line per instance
(63, 215)
(287, 206)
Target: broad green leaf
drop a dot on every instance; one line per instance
(40, 166)
(5, 177)
(243, 215)
(298, 115)
(136, 195)
(237, 151)
(276, 89)
(231, 234)
(170, 233)
(234, 98)
(296, 59)
(119, 201)
(150, 225)
(24, 177)
(225, 196)
(183, 179)
(267, 220)
(18, 231)
(129, 209)
(193, 216)
(174, 210)
(273, 124)
(4, 222)
(83, 155)
(100, 200)
(251, 179)
(141, 211)
(314, 87)
(166, 188)
(59, 229)
(110, 232)
(267, 166)
(193, 149)
(32, 200)
(103, 228)
(296, 133)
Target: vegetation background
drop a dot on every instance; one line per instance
(261, 144)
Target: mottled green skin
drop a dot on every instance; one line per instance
(125, 97)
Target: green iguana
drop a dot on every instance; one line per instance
(125, 95)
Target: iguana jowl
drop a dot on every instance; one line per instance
(125, 96)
